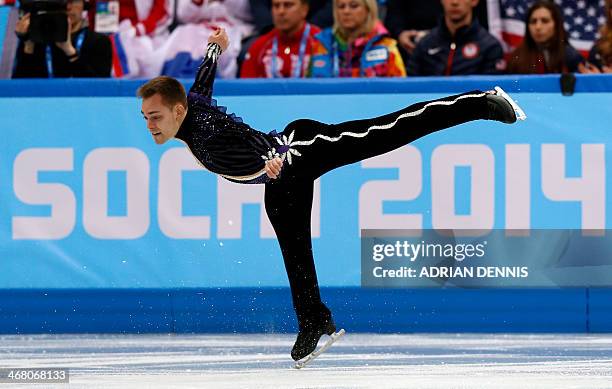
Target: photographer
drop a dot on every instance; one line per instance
(43, 54)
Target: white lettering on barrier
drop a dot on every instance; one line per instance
(518, 187)
(408, 186)
(60, 197)
(96, 166)
(479, 158)
(589, 189)
(170, 197)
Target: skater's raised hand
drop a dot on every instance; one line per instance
(273, 167)
(219, 36)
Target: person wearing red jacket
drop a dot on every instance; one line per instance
(285, 50)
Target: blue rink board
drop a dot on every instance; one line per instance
(152, 284)
(226, 310)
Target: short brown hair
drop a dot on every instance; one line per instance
(171, 91)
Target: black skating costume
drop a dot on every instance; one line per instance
(227, 146)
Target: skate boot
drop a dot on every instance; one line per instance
(309, 336)
(502, 108)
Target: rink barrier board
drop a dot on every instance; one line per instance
(251, 310)
(599, 314)
(222, 310)
(246, 87)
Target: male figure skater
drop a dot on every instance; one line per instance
(289, 162)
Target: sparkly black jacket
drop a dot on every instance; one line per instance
(221, 142)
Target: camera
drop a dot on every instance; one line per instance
(48, 20)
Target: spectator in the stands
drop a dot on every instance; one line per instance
(458, 45)
(358, 45)
(545, 47)
(319, 14)
(285, 50)
(83, 54)
(410, 20)
(600, 56)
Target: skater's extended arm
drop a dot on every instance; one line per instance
(217, 43)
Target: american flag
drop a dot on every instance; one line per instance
(582, 21)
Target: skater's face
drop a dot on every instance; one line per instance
(541, 26)
(289, 15)
(352, 14)
(458, 11)
(163, 121)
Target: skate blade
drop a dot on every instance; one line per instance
(518, 111)
(307, 359)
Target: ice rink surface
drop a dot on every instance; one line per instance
(355, 361)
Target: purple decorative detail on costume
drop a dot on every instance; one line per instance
(283, 149)
(235, 118)
(213, 103)
(274, 133)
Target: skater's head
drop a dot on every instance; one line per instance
(354, 18)
(289, 16)
(545, 25)
(458, 13)
(164, 106)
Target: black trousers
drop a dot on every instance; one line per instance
(317, 148)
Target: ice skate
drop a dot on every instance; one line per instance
(502, 108)
(304, 349)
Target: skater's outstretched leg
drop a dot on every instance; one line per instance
(317, 148)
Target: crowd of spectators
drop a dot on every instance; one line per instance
(302, 38)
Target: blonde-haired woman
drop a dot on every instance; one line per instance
(358, 45)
